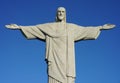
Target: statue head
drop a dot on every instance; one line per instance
(61, 15)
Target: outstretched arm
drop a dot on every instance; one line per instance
(83, 33)
(30, 32)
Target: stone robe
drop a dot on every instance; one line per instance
(60, 38)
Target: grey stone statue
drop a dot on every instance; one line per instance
(60, 37)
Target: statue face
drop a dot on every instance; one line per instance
(61, 14)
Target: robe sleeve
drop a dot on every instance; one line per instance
(32, 32)
(86, 33)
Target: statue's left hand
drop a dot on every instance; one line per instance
(108, 26)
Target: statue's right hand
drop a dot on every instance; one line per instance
(12, 26)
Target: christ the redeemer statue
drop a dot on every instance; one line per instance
(60, 37)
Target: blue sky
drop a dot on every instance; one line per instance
(22, 60)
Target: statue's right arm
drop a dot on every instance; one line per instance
(30, 32)
(12, 26)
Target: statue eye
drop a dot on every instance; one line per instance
(59, 11)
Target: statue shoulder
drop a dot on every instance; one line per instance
(74, 25)
(46, 24)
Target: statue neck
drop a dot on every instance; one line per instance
(61, 21)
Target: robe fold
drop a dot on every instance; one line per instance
(60, 38)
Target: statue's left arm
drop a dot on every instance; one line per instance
(85, 33)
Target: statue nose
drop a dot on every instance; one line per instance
(60, 14)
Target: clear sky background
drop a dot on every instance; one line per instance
(22, 60)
